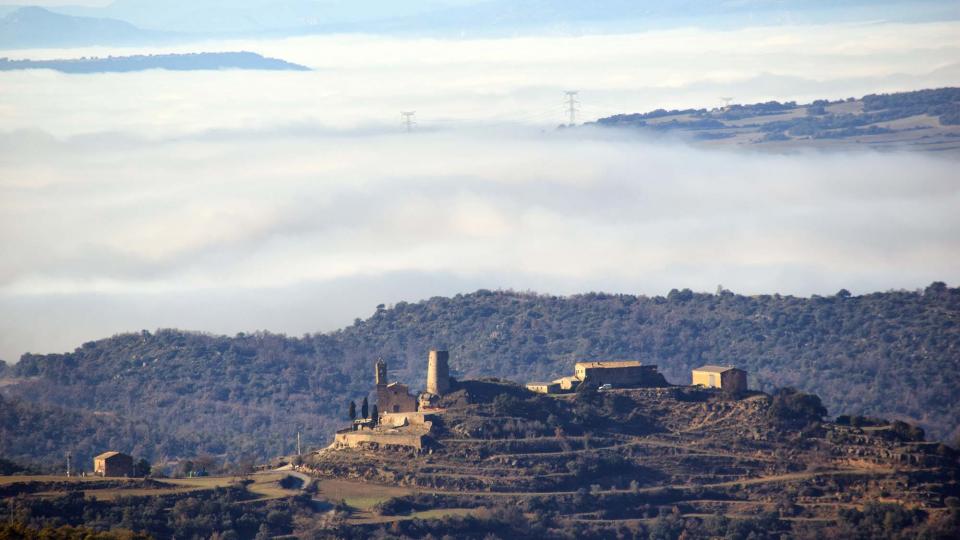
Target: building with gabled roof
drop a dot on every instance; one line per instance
(113, 464)
(620, 374)
(617, 373)
(726, 378)
(544, 387)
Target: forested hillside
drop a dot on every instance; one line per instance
(925, 120)
(170, 394)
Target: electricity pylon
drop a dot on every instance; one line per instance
(572, 106)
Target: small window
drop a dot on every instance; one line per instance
(396, 408)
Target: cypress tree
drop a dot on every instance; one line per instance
(365, 408)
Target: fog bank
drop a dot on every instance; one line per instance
(294, 202)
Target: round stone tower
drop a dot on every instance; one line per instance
(438, 373)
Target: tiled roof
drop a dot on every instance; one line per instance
(619, 364)
(715, 369)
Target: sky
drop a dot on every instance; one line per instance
(54, 3)
(295, 202)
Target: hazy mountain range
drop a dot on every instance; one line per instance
(38, 27)
(170, 62)
(143, 21)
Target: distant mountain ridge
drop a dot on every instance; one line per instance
(172, 62)
(38, 27)
(152, 21)
(924, 120)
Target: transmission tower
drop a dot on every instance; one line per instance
(572, 106)
(407, 119)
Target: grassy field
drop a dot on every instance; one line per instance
(360, 496)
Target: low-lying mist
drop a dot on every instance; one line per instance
(293, 202)
(293, 232)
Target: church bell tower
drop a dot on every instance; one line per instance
(381, 376)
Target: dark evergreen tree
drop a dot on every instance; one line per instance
(142, 468)
(365, 408)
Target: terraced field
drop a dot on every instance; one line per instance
(626, 455)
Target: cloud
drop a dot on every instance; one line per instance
(232, 201)
(166, 222)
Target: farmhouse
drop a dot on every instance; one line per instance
(113, 464)
(628, 373)
(544, 387)
(726, 378)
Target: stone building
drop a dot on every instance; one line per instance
(113, 464)
(568, 384)
(438, 373)
(629, 373)
(726, 378)
(544, 387)
(410, 430)
(404, 420)
(625, 373)
(392, 397)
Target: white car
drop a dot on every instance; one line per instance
(605, 387)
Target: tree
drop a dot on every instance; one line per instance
(142, 468)
(791, 404)
(245, 465)
(185, 468)
(352, 410)
(376, 415)
(365, 408)
(204, 462)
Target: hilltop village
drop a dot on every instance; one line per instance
(401, 419)
(616, 449)
(612, 451)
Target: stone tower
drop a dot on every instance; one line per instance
(438, 373)
(381, 376)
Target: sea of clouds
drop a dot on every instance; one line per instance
(295, 202)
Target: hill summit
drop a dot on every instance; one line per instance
(170, 394)
(623, 462)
